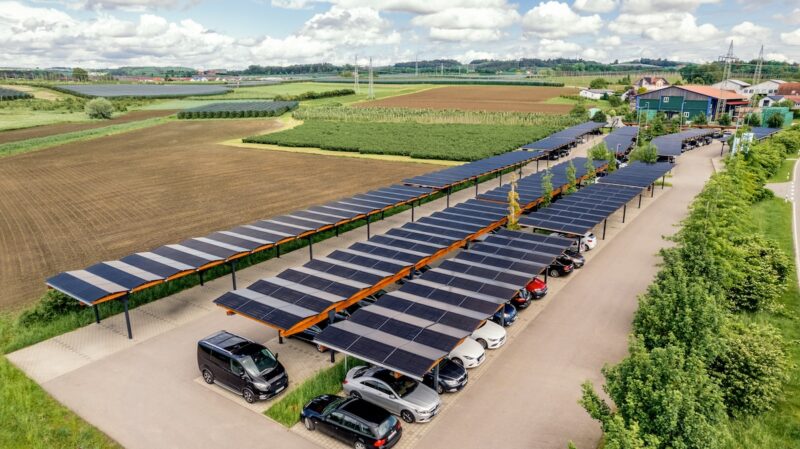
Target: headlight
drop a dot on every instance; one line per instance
(261, 385)
(469, 358)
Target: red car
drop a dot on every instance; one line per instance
(535, 289)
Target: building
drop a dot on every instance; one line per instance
(689, 101)
(771, 100)
(768, 87)
(651, 82)
(789, 89)
(595, 94)
(737, 86)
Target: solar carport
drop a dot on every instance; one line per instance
(563, 139)
(672, 145)
(621, 140)
(760, 132)
(409, 330)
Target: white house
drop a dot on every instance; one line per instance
(595, 94)
(737, 86)
(768, 87)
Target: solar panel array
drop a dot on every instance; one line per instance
(761, 132)
(410, 329)
(529, 188)
(580, 212)
(112, 279)
(672, 144)
(566, 137)
(637, 174)
(622, 139)
(463, 173)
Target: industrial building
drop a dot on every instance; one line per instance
(689, 101)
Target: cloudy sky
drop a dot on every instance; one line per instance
(234, 34)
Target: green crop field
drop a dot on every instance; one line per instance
(271, 91)
(458, 142)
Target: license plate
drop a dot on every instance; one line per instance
(391, 435)
(280, 389)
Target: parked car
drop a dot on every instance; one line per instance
(308, 334)
(589, 241)
(400, 395)
(353, 421)
(508, 313)
(240, 365)
(535, 289)
(490, 335)
(452, 377)
(560, 267)
(469, 354)
(577, 258)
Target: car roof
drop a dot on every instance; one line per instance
(231, 343)
(365, 411)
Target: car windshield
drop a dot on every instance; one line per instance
(404, 386)
(385, 427)
(259, 362)
(333, 405)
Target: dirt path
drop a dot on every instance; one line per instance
(61, 128)
(529, 397)
(81, 203)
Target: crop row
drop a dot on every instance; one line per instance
(451, 141)
(430, 116)
(311, 95)
(11, 94)
(239, 110)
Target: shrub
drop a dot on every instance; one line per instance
(753, 120)
(775, 121)
(647, 153)
(758, 275)
(725, 119)
(615, 101)
(598, 83)
(579, 110)
(700, 119)
(547, 189)
(99, 108)
(599, 117)
(751, 367)
(52, 305)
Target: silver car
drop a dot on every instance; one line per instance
(402, 395)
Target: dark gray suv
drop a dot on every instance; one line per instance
(240, 365)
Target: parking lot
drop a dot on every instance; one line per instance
(153, 383)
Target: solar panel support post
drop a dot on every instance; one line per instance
(96, 314)
(520, 170)
(448, 197)
(537, 165)
(278, 251)
(545, 274)
(337, 230)
(663, 180)
(368, 233)
(127, 316)
(200, 273)
(640, 201)
(476, 187)
(652, 190)
(624, 212)
(605, 223)
(280, 338)
(501, 178)
(436, 376)
(333, 356)
(233, 273)
(412, 211)
(310, 248)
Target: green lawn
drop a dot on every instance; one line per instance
(457, 142)
(602, 104)
(24, 118)
(784, 173)
(266, 92)
(779, 428)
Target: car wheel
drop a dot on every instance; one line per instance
(407, 416)
(483, 343)
(309, 423)
(439, 388)
(360, 445)
(355, 394)
(554, 273)
(208, 376)
(321, 348)
(249, 396)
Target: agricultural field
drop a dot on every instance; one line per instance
(77, 204)
(271, 91)
(450, 141)
(239, 109)
(481, 98)
(7, 94)
(144, 90)
(584, 80)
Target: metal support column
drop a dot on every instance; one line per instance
(640, 201)
(233, 273)
(383, 215)
(280, 338)
(503, 315)
(546, 269)
(310, 248)
(520, 170)
(96, 314)
(476, 187)
(624, 212)
(278, 251)
(127, 316)
(412, 211)
(436, 376)
(337, 230)
(448, 197)
(501, 178)
(333, 355)
(368, 232)
(663, 180)
(605, 223)
(200, 273)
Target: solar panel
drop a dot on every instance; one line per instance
(637, 174)
(760, 132)
(463, 173)
(621, 140)
(672, 144)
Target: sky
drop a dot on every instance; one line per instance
(233, 34)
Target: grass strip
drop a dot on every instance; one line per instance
(32, 419)
(326, 381)
(784, 173)
(779, 427)
(40, 143)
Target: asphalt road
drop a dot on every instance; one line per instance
(529, 397)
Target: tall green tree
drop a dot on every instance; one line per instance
(570, 178)
(590, 169)
(79, 74)
(547, 189)
(647, 153)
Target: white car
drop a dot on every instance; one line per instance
(490, 335)
(469, 354)
(589, 241)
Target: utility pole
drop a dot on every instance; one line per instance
(757, 75)
(370, 91)
(355, 74)
(726, 74)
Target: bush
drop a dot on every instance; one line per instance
(758, 275)
(775, 121)
(753, 120)
(615, 101)
(599, 117)
(579, 110)
(99, 108)
(52, 305)
(725, 119)
(700, 119)
(598, 83)
(751, 367)
(647, 153)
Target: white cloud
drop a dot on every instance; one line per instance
(351, 26)
(131, 5)
(667, 27)
(777, 57)
(751, 30)
(601, 6)
(610, 41)
(422, 6)
(464, 18)
(556, 48)
(291, 4)
(658, 6)
(554, 19)
(791, 38)
(465, 35)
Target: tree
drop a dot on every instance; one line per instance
(647, 153)
(598, 83)
(79, 74)
(570, 178)
(617, 434)
(611, 157)
(700, 119)
(775, 121)
(579, 110)
(547, 189)
(725, 119)
(751, 367)
(757, 273)
(513, 205)
(615, 101)
(599, 151)
(752, 120)
(600, 117)
(591, 171)
(669, 395)
(99, 108)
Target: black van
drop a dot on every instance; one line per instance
(240, 365)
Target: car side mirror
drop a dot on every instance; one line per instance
(276, 356)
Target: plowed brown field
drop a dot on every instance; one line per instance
(61, 128)
(77, 204)
(480, 98)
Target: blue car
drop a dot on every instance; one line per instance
(508, 313)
